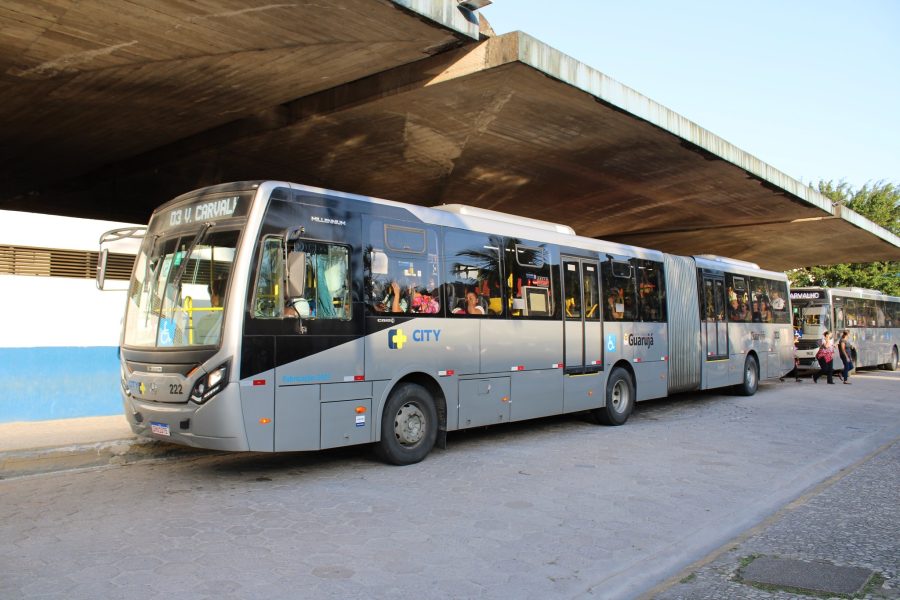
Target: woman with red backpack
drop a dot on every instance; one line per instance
(825, 356)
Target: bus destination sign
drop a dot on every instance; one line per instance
(203, 211)
(806, 295)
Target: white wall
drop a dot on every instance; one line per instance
(40, 311)
(50, 231)
(58, 311)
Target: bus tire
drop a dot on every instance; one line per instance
(892, 365)
(619, 399)
(409, 425)
(750, 382)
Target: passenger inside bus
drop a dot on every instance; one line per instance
(615, 305)
(423, 301)
(765, 315)
(396, 298)
(734, 310)
(755, 316)
(473, 305)
(209, 326)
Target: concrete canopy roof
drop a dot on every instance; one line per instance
(508, 124)
(83, 85)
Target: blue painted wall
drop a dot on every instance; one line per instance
(37, 384)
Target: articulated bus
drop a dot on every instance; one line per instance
(871, 317)
(271, 316)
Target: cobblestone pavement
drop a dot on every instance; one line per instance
(851, 521)
(556, 508)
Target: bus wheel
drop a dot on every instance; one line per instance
(408, 426)
(892, 366)
(619, 399)
(750, 383)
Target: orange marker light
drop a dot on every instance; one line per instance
(360, 410)
(265, 421)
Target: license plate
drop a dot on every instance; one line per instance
(159, 428)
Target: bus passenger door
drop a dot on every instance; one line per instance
(583, 350)
(715, 330)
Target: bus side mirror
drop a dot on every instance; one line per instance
(101, 268)
(296, 274)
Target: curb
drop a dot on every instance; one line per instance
(38, 461)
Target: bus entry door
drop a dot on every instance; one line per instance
(582, 313)
(714, 325)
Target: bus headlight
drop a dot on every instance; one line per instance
(210, 384)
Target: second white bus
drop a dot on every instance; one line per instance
(871, 317)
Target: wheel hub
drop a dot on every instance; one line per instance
(619, 397)
(409, 425)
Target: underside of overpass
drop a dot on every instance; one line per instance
(109, 109)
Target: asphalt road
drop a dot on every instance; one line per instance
(554, 508)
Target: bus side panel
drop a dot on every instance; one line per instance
(536, 394)
(297, 402)
(583, 392)
(616, 347)
(297, 418)
(507, 345)
(649, 345)
(258, 408)
(740, 343)
(426, 345)
(783, 356)
(257, 389)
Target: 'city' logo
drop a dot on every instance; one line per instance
(396, 339)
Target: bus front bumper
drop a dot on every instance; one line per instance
(217, 425)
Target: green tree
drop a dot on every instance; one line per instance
(880, 203)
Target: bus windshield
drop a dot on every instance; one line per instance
(811, 317)
(177, 295)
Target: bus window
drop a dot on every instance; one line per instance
(850, 317)
(267, 300)
(650, 290)
(572, 283)
(402, 272)
(591, 292)
(738, 299)
(778, 300)
(529, 282)
(405, 239)
(618, 278)
(764, 295)
(893, 313)
(473, 274)
(321, 280)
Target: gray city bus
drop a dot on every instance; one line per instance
(871, 317)
(272, 316)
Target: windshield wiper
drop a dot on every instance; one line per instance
(176, 278)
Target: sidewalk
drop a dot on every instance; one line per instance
(31, 448)
(839, 540)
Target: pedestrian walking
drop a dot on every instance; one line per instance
(845, 349)
(825, 356)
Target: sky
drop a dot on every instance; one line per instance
(811, 87)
